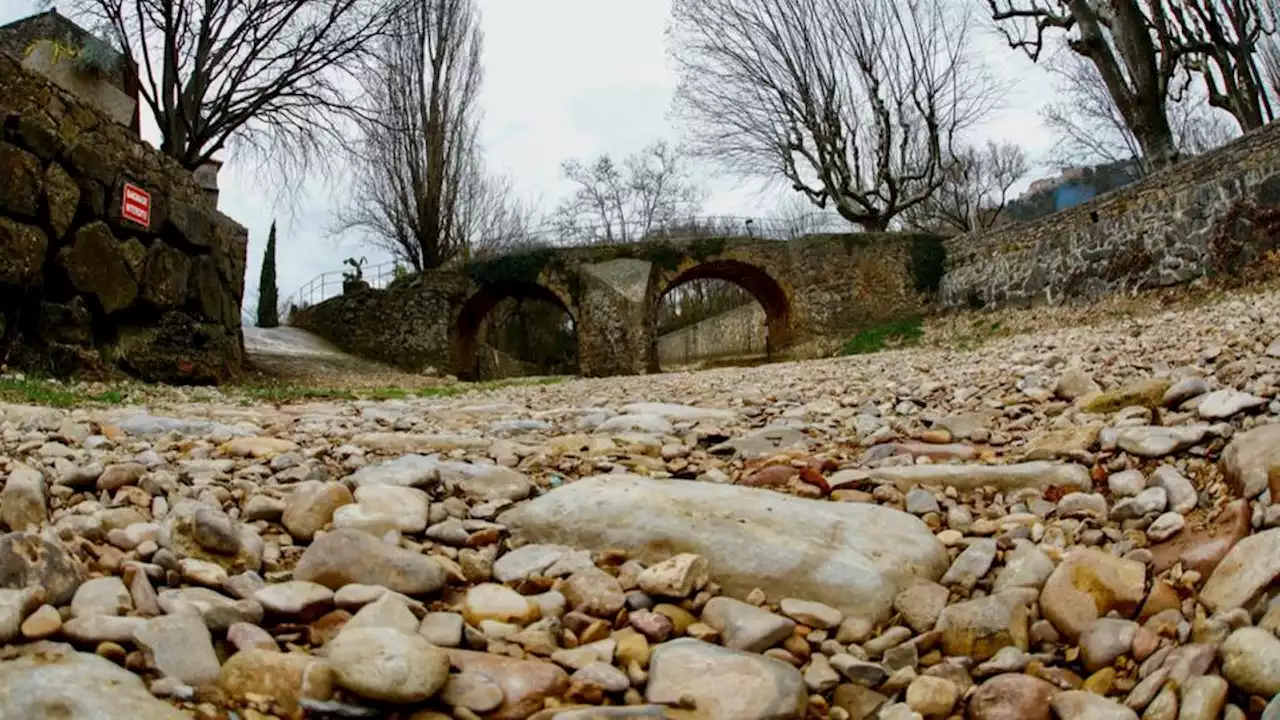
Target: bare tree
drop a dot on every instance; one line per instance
(974, 192)
(1146, 53)
(493, 220)
(856, 104)
(417, 163)
(1091, 129)
(618, 204)
(271, 74)
(795, 218)
(1224, 39)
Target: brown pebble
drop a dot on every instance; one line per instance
(42, 623)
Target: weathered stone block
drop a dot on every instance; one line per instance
(22, 250)
(191, 224)
(1268, 192)
(23, 182)
(165, 278)
(62, 197)
(179, 349)
(135, 256)
(22, 253)
(86, 159)
(233, 247)
(96, 264)
(93, 196)
(68, 323)
(208, 293)
(36, 135)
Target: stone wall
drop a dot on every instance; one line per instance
(406, 325)
(740, 332)
(81, 288)
(51, 45)
(1205, 216)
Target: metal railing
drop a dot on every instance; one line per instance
(559, 235)
(327, 285)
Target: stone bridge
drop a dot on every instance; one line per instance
(816, 291)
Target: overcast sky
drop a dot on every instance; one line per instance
(563, 79)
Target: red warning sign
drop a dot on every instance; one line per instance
(136, 205)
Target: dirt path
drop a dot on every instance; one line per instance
(296, 356)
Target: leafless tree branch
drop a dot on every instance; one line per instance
(650, 191)
(857, 105)
(1091, 130)
(271, 75)
(974, 193)
(1145, 52)
(418, 186)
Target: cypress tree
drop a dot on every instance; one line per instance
(268, 295)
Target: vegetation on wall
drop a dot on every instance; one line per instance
(517, 268)
(885, 336)
(928, 263)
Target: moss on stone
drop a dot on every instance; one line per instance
(853, 241)
(928, 263)
(661, 253)
(885, 336)
(703, 248)
(516, 268)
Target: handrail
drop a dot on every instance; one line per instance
(560, 235)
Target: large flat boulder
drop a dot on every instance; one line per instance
(1038, 474)
(854, 557)
(52, 680)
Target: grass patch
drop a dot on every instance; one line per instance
(884, 337)
(33, 391)
(285, 394)
(51, 393)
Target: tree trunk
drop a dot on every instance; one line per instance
(1151, 128)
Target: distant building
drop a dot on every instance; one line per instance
(1072, 187)
(73, 58)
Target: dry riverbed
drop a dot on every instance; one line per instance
(1070, 523)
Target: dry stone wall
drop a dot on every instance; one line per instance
(740, 332)
(406, 325)
(81, 288)
(1207, 216)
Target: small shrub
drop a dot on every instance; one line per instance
(884, 337)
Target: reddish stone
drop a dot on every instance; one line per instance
(1162, 597)
(1012, 697)
(654, 626)
(773, 476)
(525, 683)
(814, 477)
(1202, 549)
(327, 627)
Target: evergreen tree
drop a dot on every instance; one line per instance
(268, 295)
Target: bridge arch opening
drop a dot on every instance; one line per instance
(511, 330)
(738, 314)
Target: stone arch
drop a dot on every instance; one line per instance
(464, 332)
(760, 284)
